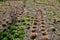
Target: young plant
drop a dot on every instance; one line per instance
(13, 27)
(28, 25)
(53, 28)
(10, 36)
(17, 24)
(28, 19)
(13, 31)
(23, 19)
(32, 17)
(22, 27)
(28, 16)
(54, 20)
(16, 35)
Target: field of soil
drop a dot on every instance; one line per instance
(30, 20)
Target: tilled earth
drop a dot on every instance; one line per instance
(46, 14)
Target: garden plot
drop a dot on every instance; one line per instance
(30, 20)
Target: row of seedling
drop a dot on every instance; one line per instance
(29, 20)
(43, 29)
(25, 21)
(34, 27)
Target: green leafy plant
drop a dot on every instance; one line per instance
(4, 33)
(32, 17)
(11, 36)
(53, 28)
(17, 24)
(16, 35)
(21, 34)
(28, 19)
(24, 23)
(28, 16)
(27, 23)
(22, 27)
(13, 31)
(13, 27)
(23, 19)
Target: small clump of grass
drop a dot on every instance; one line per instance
(23, 19)
(53, 28)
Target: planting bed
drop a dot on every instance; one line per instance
(30, 20)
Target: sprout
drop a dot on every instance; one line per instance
(54, 20)
(16, 35)
(28, 19)
(22, 36)
(27, 23)
(16, 24)
(21, 32)
(13, 27)
(23, 19)
(21, 27)
(28, 16)
(24, 23)
(53, 28)
(32, 17)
